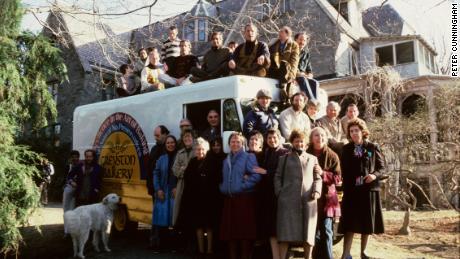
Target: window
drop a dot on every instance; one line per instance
(433, 68)
(231, 119)
(201, 30)
(189, 31)
(405, 52)
(287, 6)
(427, 58)
(384, 56)
(421, 53)
(197, 113)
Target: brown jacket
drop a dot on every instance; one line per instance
(289, 56)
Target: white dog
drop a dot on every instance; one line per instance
(96, 217)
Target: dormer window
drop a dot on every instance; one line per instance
(395, 54)
(196, 30)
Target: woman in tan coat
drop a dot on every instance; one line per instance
(180, 164)
(297, 185)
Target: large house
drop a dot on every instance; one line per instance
(346, 42)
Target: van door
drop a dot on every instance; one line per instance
(197, 113)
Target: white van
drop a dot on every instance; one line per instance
(121, 130)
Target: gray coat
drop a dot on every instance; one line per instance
(179, 166)
(297, 212)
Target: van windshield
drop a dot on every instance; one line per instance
(248, 103)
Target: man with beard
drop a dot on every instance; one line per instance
(294, 117)
(252, 57)
(214, 61)
(88, 180)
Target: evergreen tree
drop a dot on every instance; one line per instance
(27, 61)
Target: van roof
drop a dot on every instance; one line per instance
(232, 86)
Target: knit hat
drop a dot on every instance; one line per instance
(264, 93)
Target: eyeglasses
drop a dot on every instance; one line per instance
(185, 126)
(213, 117)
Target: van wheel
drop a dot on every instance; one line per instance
(121, 222)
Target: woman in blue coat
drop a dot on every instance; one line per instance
(238, 226)
(164, 183)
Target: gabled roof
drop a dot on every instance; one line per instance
(203, 9)
(342, 24)
(95, 43)
(385, 20)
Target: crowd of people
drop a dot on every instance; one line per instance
(278, 183)
(287, 60)
(283, 189)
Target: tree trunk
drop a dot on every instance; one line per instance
(405, 229)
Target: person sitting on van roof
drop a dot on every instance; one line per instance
(213, 131)
(141, 61)
(214, 61)
(252, 57)
(179, 69)
(284, 59)
(261, 117)
(170, 48)
(128, 83)
(150, 78)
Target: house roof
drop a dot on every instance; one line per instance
(95, 43)
(400, 38)
(342, 24)
(384, 20)
(203, 9)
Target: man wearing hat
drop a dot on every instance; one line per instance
(261, 117)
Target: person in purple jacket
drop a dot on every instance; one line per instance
(238, 226)
(88, 180)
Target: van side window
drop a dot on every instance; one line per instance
(230, 116)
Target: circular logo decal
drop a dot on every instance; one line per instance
(122, 148)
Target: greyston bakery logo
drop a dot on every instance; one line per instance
(122, 148)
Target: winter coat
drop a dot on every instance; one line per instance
(361, 205)
(304, 61)
(202, 200)
(260, 120)
(96, 180)
(289, 57)
(235, 167)
(155, 153)
(328, 204)
(163, 179)
(295, 182)
(179, 166)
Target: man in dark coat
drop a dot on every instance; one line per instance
(261, 117)
(180, 68)
(89, 179)
(304, 74)
(252, 57)
(214, 61)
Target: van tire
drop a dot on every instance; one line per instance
(121, 222)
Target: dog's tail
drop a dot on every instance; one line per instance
(71, 222)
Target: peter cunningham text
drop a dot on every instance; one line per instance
(454, 62)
